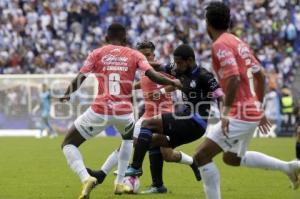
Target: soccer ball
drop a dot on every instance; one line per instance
(133, 182)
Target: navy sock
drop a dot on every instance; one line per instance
(141, 147)
(156, 166)
(298, 150)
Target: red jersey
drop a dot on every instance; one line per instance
(114, 67)
(163, 104)
(231, 56)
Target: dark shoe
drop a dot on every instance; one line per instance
(133, 172)
(196, 171)
(153, 190)
(100, 175)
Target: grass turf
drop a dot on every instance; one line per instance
(36, 168)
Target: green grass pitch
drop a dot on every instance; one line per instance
(36, 169)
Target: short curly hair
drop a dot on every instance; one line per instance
(218, 15)
(145, 44)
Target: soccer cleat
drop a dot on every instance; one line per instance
(100, 175)
(153, 190)
(196, 171)
(294, 174)
(122, 188)
(87, 187)
(133, 172)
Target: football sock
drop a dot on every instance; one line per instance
(185, 159)
(124, 156)
(211, 181)
(298, 150)
(110, 162)
(259, 160)
(75, 161)
(141, 147)
(156, 166)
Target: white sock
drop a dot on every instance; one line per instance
(186, 159)
(259, 160)
(124, 156)
(75, 161)
(211, 181)
(110, 162)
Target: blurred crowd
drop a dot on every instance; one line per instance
(55, 36)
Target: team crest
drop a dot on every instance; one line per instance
(193, 84)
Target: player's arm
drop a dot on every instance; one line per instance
(160, 79)
(232, 84)
(259, 84)
(73, 86)
(156, 77)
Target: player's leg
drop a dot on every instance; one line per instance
(108, 165)
(171, 155)
(125, 125)
(298, 143)
(86, 126)
(156, 169)
(144, 141)
(237, 154)
(207, 150)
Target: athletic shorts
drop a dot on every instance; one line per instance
(240, 134)
(137, 127)
(181, 131)
(90, 124)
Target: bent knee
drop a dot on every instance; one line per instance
(232, 160)
(202, 157)
(168, 157)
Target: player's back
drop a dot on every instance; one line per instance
(161, 104)
(115, 67)
(233, 56)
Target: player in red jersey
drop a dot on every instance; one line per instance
(114, 66)
(236, 68)
(155, 104)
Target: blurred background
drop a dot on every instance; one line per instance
(46, 42)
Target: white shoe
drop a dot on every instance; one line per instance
(294, 174)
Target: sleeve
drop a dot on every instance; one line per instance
(212, 85)
(255, 65)
(225, 59)
(88, 64)
(142, 62)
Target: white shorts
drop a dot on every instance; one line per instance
(90, 124)
(240, 134)
(137, 127)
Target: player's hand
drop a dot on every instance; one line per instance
(155, 95)
(264, 125)
(225, 126)
(64, 98)
(177, 84)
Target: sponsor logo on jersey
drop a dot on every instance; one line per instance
(244, 51)
(193, 84)
(114, 60)
(223, 53)
(229, 61)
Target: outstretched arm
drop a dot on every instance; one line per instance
(160, 79)
(74, 85)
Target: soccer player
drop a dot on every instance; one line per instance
(114, 66)
(175, 129)
(235, 66)
(45, 109)
(155, 103)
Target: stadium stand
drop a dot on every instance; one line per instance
(54, 37)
